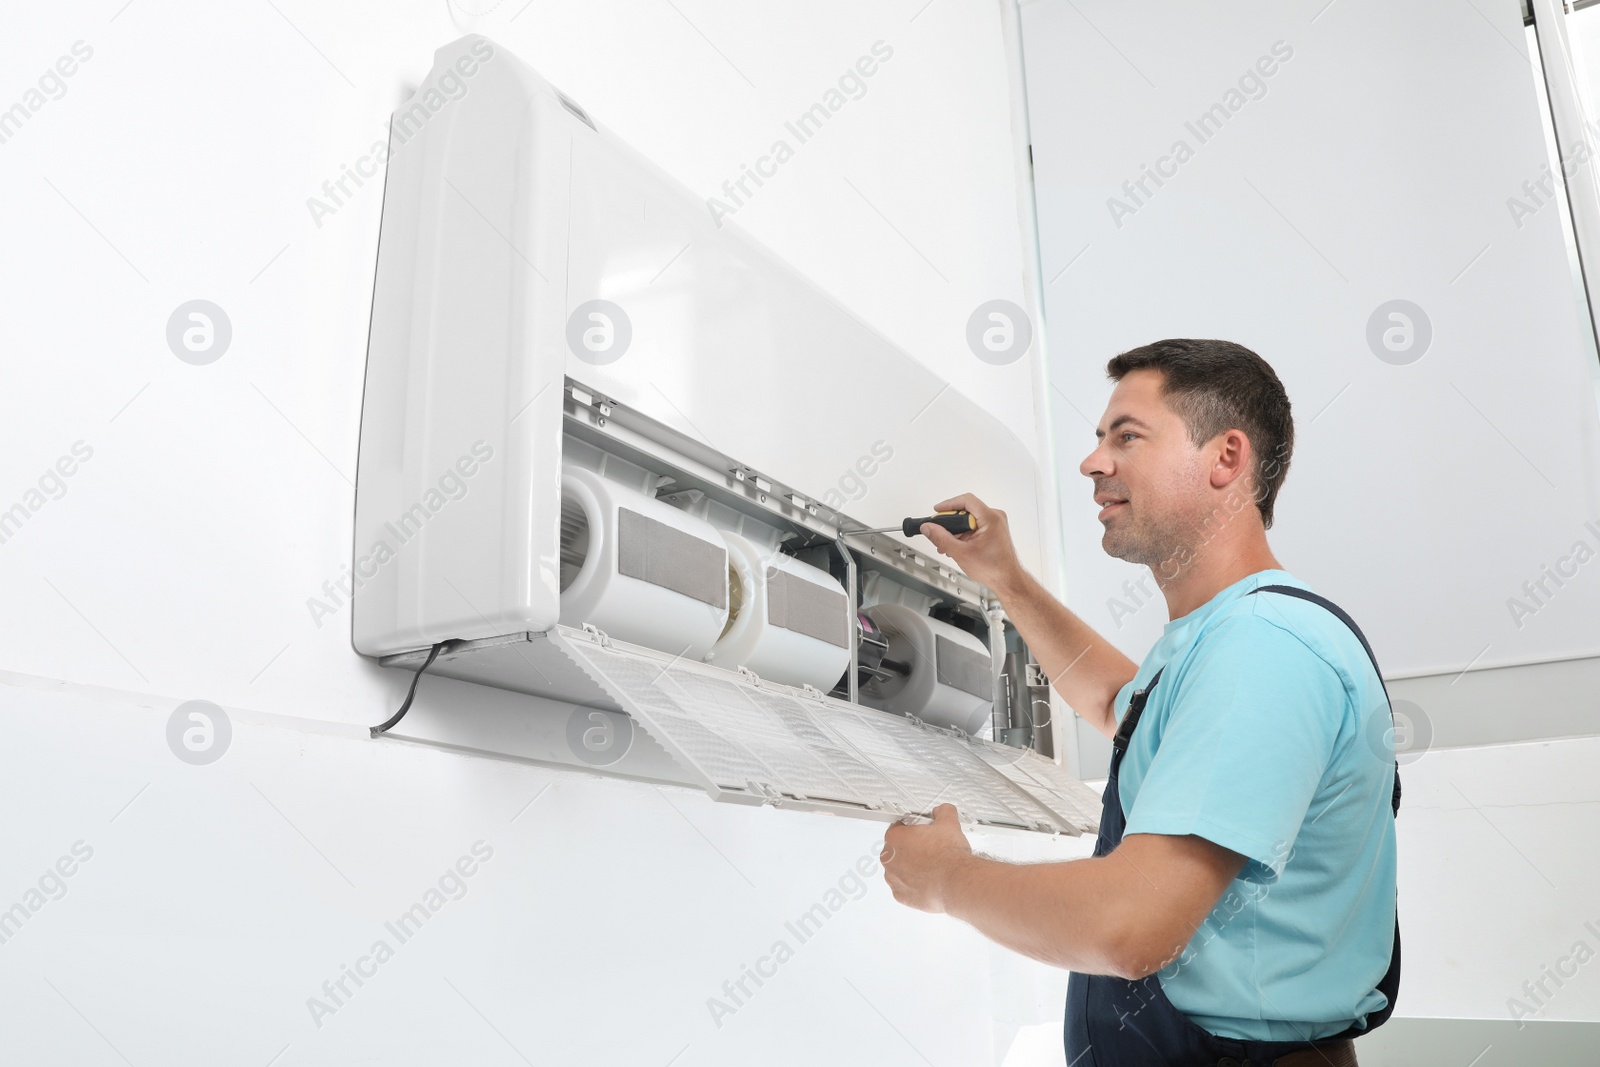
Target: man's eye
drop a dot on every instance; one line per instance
(1126, 435)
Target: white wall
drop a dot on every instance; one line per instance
(1491, 888)
(218, 899)
(178, 560)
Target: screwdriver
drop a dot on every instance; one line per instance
(954, 521)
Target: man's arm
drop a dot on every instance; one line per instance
(1127, 914)
(1085, 668)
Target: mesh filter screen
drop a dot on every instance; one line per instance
(771, 741)
(964, 668)
(808, 608)
(664, 555)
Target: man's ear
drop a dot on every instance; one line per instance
(1233, 460)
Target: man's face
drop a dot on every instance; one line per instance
(1153, 485)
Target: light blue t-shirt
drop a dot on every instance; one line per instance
(1269, 734)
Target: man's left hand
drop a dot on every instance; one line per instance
(920, 860)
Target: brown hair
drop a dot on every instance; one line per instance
(1216, 386)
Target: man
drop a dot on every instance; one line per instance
(1240, 904)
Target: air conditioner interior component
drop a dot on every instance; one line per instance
(933, 670)
(787, 621)
(638, 568)
(871, 647)
(704, 482)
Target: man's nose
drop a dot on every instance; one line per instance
(1095, 463)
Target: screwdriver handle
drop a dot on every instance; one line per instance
(955, 521)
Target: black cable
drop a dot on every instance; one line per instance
(376, 730)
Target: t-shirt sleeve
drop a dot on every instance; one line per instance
(1248, 738)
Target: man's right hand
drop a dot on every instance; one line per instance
(985, 554)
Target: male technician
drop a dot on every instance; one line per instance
(1240, 904)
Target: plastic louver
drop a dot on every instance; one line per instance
(760, 742)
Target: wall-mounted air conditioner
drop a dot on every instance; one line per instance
(599, 444)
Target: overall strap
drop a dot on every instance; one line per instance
(1389, 984)
(1306, 594)
(1119, 742)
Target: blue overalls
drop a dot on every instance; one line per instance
(1114, 1022)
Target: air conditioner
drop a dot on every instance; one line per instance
(592, 429)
